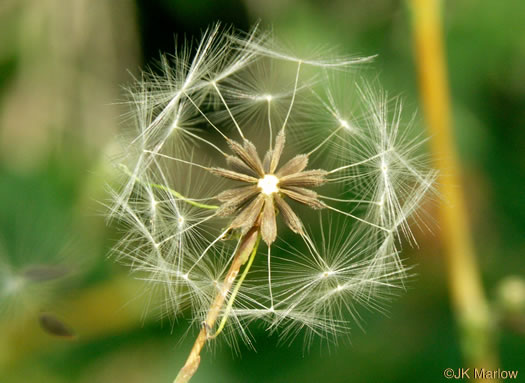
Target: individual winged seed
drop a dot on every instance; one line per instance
(295, 165)
(44, 273)
(307, 192)
(247, 217)
(254, 156)
(304, 196)
(234, 198)
(277, 150)
(54, 326)
(238, 165)
(233, 175)
(309, 178)
(290, 218)
(232, 207)
(268, 224)
(267, 160)
(236, 193)
(246, 154)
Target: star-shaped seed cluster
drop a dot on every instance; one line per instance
(258, 203)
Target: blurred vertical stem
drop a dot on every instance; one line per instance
(468, 298)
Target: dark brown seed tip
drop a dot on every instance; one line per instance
(54, 326)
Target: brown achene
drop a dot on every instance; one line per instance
(257, 203)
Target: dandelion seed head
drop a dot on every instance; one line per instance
(230, 138)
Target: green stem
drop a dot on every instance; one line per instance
(176, 194)
(236, 290)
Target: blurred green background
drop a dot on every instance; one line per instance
(62, 66)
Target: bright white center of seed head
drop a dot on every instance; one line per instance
(344, 124)
(268, 184)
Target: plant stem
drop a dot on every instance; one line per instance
(246, 248)
(236, 290)
(468, 298)
(175, 193)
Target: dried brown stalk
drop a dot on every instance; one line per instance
(243, 252)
